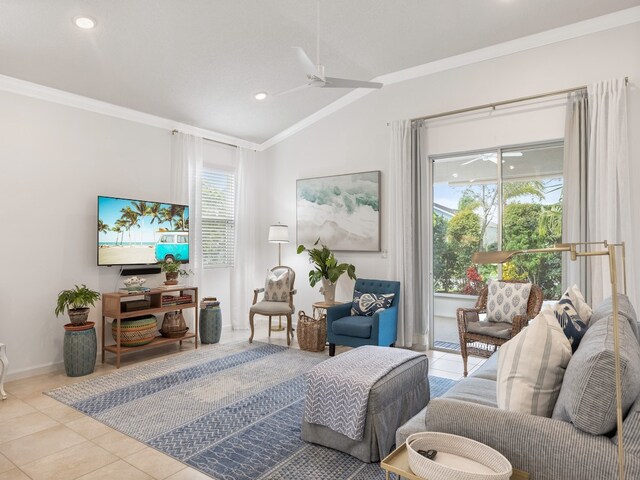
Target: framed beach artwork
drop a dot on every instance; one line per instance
(342, 210)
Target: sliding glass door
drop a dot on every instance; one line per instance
(488, 200)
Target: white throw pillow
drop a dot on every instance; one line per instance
(505, 300)
(531, 367)
(276, 287)
(581, 306)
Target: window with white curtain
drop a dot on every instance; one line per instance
(218, 218)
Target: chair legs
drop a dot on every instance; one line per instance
(332, 349)
(289, 332)
(269, 326)
(251, 325)
(465, 355)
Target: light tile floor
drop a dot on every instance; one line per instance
(42, 439)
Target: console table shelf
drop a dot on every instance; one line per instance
(112, 308)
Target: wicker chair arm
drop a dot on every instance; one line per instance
(465, 315)
(518, 323)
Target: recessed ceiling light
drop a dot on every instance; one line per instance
(260, 95)
(511, 167)
(512, 154)
(454, 175)
(86, 23)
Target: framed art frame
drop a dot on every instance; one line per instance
(342, 210)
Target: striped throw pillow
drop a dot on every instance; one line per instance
(531, 367)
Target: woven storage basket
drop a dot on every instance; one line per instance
(136, 331)
(312, 332)
(458, 458)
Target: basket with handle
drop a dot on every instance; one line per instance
(312, 332)
(458, 458)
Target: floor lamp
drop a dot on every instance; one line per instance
(279, 234)
(605, 248)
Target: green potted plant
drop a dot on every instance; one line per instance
(327, 269)
(80, 346)
(172, 270)
(76, 301)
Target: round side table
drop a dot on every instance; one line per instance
(320, 308)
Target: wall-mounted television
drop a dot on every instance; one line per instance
(139, 232)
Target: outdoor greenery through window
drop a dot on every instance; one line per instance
(218, 218)
(507, 199)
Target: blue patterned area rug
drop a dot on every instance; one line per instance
(232, 411)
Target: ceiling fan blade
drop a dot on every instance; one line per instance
(305, 62)
(332, 82)
(291, 90)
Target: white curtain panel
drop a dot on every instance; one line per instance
(185, 188)
(608, 182)
(404, 232)
(243, 273)
(574, 208)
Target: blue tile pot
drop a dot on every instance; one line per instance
(80, 349)
(210, 322)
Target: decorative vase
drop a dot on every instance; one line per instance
(210, 321)
(80, 349)
(328, 290)
(78, 316)
(173, 325)
(172, 278)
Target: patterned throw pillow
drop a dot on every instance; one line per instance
(572, 324)
(506, 300)
(276, 287)
(366, 304)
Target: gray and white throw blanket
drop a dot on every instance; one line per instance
(337, 390)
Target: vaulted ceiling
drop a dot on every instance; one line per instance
(200, 62)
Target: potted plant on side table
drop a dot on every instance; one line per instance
(327, 269)
(172, 270)
(80, 346)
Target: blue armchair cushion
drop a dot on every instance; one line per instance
(354, 326)
(366, 304)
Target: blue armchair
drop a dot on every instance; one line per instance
(355, 331)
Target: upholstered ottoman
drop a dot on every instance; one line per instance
(393, 400)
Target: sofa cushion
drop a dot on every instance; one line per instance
(489, 369)
(625, 310)
(531, 366)
(354, 326)
(505, 300)
(493, 329)
(573, 326)
(366, 304)
(587, 398)
(475, 390)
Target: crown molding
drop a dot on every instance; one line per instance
(560, 34)
(41, 92)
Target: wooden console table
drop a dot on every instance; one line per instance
(112, 308)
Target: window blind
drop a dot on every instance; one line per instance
(218, 218)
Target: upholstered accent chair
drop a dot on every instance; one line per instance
(483, 338)
(354, 330)
(270, 308)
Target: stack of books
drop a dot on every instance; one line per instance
(168, 300)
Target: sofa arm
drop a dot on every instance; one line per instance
(547, 449)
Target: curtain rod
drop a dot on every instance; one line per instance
(505, 102)
(174, 131)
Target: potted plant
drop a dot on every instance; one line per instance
(327, 269)
(172, 270)
(80, 346)
(76, 301)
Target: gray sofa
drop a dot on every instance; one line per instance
(579, 441)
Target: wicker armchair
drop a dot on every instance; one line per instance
(484, 338)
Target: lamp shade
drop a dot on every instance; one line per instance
(279, 234)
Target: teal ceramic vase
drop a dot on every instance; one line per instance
(210, 322)
(80, 349)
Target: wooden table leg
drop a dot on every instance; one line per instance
(197, 311)
(118, 342)
(102, 339)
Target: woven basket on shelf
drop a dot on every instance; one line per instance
(312, 332)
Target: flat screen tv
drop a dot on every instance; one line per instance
(139, 232)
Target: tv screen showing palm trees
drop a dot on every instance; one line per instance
(136, 232)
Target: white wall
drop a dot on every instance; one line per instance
(55, 161)
(356, 138)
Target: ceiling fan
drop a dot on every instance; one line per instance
(315, 72)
